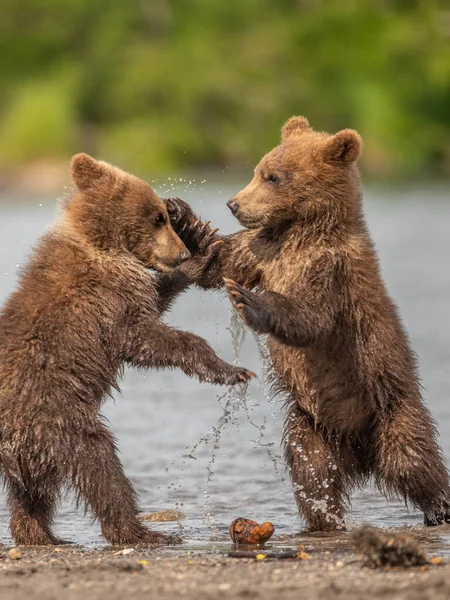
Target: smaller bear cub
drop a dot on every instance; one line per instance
(86, 305)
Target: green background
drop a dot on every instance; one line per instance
(162, 85)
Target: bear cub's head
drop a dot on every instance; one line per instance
(118, 212)
(308, 174)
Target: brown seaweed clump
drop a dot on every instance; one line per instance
(389, 549)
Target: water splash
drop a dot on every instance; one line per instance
(233, 402)
(237, 331)
(177, 185)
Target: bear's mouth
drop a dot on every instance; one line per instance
(251, 222)
(162, 268)
(157, 264)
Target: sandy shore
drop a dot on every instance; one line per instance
(333, 571)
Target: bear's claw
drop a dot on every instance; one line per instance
(249, 306)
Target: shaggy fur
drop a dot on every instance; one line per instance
(86, 306)
(338, 350)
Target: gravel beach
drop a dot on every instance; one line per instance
(334, 570)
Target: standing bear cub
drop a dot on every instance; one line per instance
(86, 306)
(339, 353)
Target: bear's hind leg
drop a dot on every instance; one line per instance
(98, 478)
(317, 473)
(410, 464)
(32, 511)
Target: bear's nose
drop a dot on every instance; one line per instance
(184, 256)
(233, 206)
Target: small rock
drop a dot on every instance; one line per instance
(14, 554)
(124, 552)
(163, 515)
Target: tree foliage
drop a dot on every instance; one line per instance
(167, 84)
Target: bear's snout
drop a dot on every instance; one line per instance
(233, 206)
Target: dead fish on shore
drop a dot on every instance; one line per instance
(382, 549)
(250, 533)
(163, 515)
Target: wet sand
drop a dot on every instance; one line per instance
(334, 570)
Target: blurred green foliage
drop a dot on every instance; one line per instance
(157, 85)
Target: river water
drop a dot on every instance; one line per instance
(175, 444)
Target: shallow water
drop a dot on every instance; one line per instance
(237, 471)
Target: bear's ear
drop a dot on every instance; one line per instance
(294, 125)
(86, 170)
(345, 147)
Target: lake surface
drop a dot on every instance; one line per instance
(160, 417)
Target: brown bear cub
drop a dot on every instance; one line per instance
(86, 305)
(338, 350)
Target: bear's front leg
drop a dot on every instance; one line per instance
(292, 321)
(250, 306)
(274, 314)
(154, 345)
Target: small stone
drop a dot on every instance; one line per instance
(14, 554)
(340, 564)
(163, 515)
(124, 552)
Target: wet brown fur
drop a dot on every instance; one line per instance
(339, 353)
(86, 305)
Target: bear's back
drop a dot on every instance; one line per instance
(62, 330)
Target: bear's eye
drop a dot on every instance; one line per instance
(160, 219)
(273, 178)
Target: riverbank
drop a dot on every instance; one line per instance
(333, 570)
